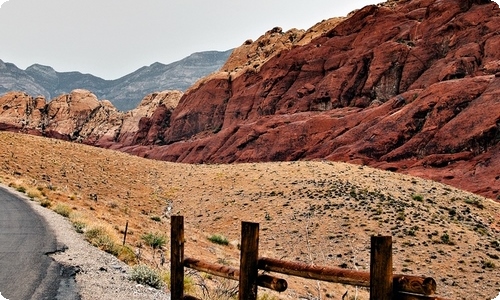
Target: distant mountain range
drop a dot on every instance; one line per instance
(126, 92)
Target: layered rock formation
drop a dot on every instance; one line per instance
(81, 117)
(407, 86)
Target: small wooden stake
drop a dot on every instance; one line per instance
(249, 260)
(177, 257)
(125, 234)
(381, 279)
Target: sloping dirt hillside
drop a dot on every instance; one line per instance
(316, 212)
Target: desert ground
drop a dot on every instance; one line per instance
(315, 212)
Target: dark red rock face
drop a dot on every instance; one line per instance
(408, 86)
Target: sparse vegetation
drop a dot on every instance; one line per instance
(475, 202)
(417, 197)
(63, 210)
(146, 275)
(127, 255)
(303, 199)
(100, 238)
(79, 226)
(154, 240)
(445, 239)
(156, 218)
(34, 194)
(218, 239)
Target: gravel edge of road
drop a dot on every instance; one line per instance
(98, 275)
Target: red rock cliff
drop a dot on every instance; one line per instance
(408, 86)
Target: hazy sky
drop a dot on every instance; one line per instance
(111, 38)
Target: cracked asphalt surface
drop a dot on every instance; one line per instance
(26, 270)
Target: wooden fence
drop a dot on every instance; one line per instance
(383, 284)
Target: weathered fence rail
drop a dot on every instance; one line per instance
(383, 284)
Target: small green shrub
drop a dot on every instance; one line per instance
(63, 210)
(413, 231)
(475, 202)
(127, 255)
(156, 218)
(99, 238)
(417, 197)
(445, 239)
(143, 274)
(154, 240)
(218, 239)
(79, 226)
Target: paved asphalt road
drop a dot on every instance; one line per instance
(26, 272)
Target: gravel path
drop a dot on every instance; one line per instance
(98, 275)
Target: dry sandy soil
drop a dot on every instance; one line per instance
(316, 212)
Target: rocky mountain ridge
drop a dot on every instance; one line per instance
(407, 86)
(126, 92)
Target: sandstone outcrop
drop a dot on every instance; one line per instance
(407, 86)
(81, 117)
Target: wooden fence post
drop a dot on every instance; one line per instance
(125, 233)
(249, 257)
(381, 281)
(177, 257)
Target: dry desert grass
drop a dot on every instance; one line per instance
(320, 213)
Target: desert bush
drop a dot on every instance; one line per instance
(154, 240)
(127, 255)
(63, 210)
(417, 197)
(34, 194)
(143, 274)
(156, 218)
(79, 226)
(100, 238)
(475, 202)
(218, 239)
(446, 239)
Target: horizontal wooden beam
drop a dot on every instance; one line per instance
(213, 269)
(266, 281)
(336, 275)
(406, 283)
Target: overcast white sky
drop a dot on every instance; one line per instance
(111, 38)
